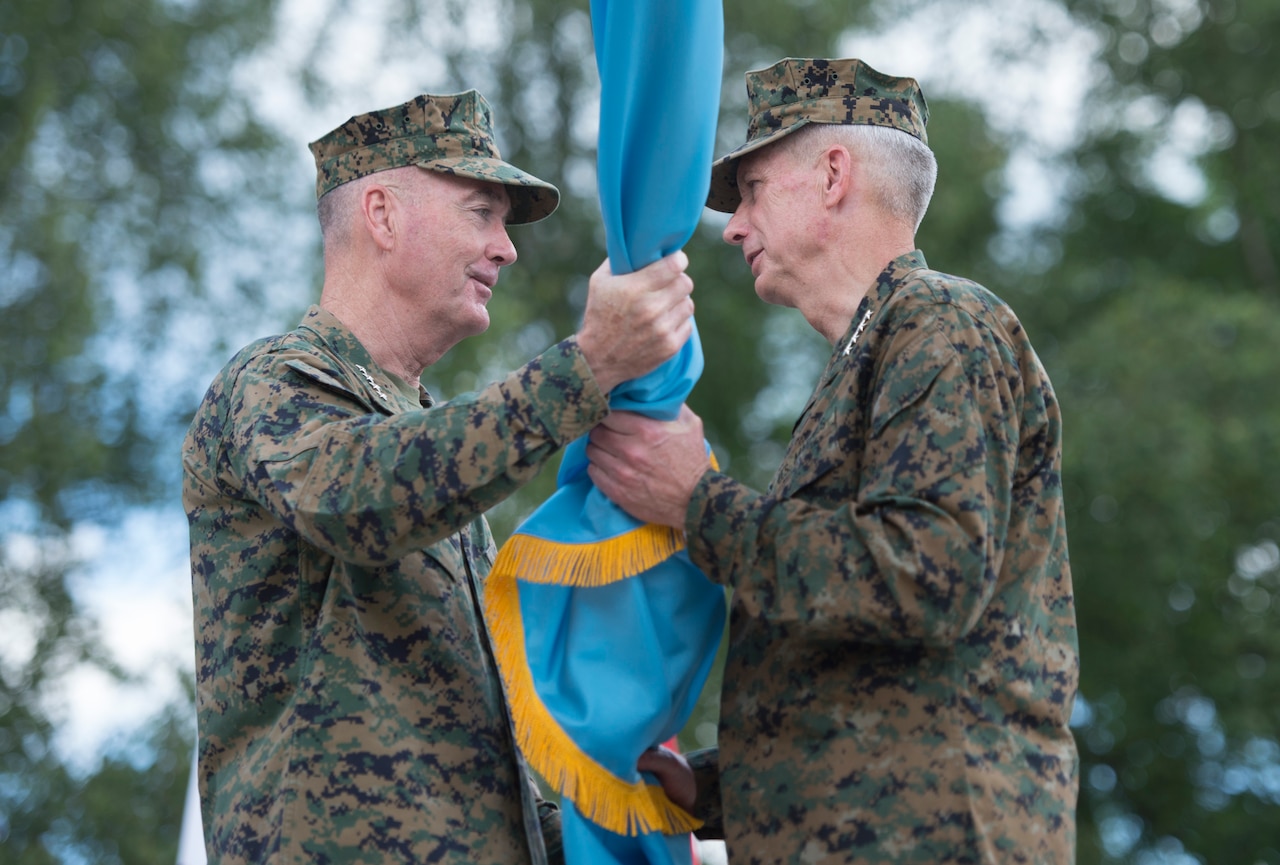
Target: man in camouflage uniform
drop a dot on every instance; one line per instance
(349, 706)
(902, 649)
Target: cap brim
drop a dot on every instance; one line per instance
(531, 199)
(723, 195)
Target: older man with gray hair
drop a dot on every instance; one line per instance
(902, 654)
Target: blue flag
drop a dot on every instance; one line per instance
(605, 631)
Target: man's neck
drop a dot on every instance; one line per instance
(371, 315)
(850, 278)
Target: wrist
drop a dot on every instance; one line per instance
(597, 358)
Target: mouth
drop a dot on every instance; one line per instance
(752, 258)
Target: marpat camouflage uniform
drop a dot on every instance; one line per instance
(349, 706)
(902, 659)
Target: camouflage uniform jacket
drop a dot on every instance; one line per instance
(902, 652)
(349, 705)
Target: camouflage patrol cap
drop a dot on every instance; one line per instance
(795, 92)
(452, 134)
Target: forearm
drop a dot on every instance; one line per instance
(369, 488)
(877, 571)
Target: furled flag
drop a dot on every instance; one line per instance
(605, 631)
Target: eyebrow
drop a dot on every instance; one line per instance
(489, 193)
(495, 197)
(747, 166)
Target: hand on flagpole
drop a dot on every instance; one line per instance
(673, 773)
(649, 467)
(636, 321)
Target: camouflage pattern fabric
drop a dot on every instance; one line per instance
(349, 706)
(902, 659)
(452, 134)
(795, 92)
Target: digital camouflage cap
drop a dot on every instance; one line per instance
(452, 134)
(795, 92)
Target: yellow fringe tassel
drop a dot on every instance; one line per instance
(622, 807)
(537, 560)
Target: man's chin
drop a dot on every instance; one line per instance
(478, 324)
(766, 292)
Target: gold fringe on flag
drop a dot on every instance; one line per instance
(537, 560)
(599, 563)
(622, 807)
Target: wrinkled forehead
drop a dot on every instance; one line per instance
(772, 156)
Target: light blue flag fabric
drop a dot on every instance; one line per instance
(605, 631)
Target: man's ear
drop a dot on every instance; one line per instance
(838, 174)
(378, 206)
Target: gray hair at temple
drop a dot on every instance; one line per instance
(336, 209)
(902, 167)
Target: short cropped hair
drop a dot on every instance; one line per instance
(902, 167)
(338, 207)
(335, 209)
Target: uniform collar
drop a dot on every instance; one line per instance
(873, 302)
(339, 338)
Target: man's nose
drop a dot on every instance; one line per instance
(736, 231)
(503, 251)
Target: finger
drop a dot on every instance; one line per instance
(622, 423)
(603, 481)
(657, 758)
(666, 269)
(679, 288)
(678, 260)
(681, 332)
(673, 772)
(678, 318)
(611, 458)
(600, 453)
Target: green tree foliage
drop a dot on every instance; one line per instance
(126, 810)
(1174, 457)
(1163, 315)
(117, 130)
(116, 119)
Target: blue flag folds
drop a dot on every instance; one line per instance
(604, 630)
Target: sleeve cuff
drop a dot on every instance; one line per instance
(561, 392)
(719, 524)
